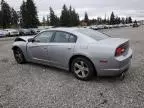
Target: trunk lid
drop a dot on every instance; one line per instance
(114, 42)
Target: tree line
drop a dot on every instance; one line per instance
(113, 19)
(28, 17)
(68, 17)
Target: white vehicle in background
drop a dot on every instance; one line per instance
(3, 33)
(24, 32)
(34, 31)
(94, 27)
(12, 32)
(100, 26)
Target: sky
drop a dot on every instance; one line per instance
(94, 8)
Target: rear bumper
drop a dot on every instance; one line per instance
(114, 72)
(117, 66)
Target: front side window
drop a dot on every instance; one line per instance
(44, 37)
(63, 37)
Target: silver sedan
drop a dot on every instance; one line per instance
(83, 51)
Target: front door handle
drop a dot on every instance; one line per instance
(69, 48)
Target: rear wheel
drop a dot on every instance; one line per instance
(19, 57)
(82, 68)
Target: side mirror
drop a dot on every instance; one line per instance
(31, 40)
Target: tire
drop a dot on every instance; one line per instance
(9, 35)
(82, 69)
(18, 55)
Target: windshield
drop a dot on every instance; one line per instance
(93, 34)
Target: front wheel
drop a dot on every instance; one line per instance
(82, 68)
(19, 57)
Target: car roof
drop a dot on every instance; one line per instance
(66, 29)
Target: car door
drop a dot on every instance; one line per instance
(61, 48)
(38, 49)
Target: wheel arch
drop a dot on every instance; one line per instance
(83, 56)
(15, 47)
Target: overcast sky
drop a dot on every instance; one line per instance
(94, 8)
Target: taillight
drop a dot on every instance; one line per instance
(121, 49)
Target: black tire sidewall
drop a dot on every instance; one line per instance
(90, 66)
(23, 59)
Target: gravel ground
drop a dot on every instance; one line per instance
(37, 86)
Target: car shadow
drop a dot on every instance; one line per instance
(109, 79)
(47, 67)
(94, 79)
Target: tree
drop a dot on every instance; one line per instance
(123, 20)
(135, 22)
(54, 20)
(130, 20)
(127, 20)
(73, 17)
(65, 17)
(86, 19)
(6, 14)
(99, 20)
(1, 18)
(29, 14)
(23, 12)
(14, 17)
(47, 21)
(112, 19)
(44, 21)
(117, 20)
(32, 16)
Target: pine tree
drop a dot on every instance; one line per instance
(29, 14)
(130, 20)
(44, 21)
(32, 16)
(65, 17)
(14, 18)
(0, 18)
(47, 21)
(117, 20)
(54, 20)
(127, 20)
(99, 20)
(86, 19)
(73, 18)
(6, 14)
(23, 12)
(112, 19)
(123, 20)
(135, 22)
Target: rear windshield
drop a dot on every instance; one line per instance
(93, 34)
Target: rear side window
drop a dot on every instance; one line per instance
(93, 34)
(63, 37)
